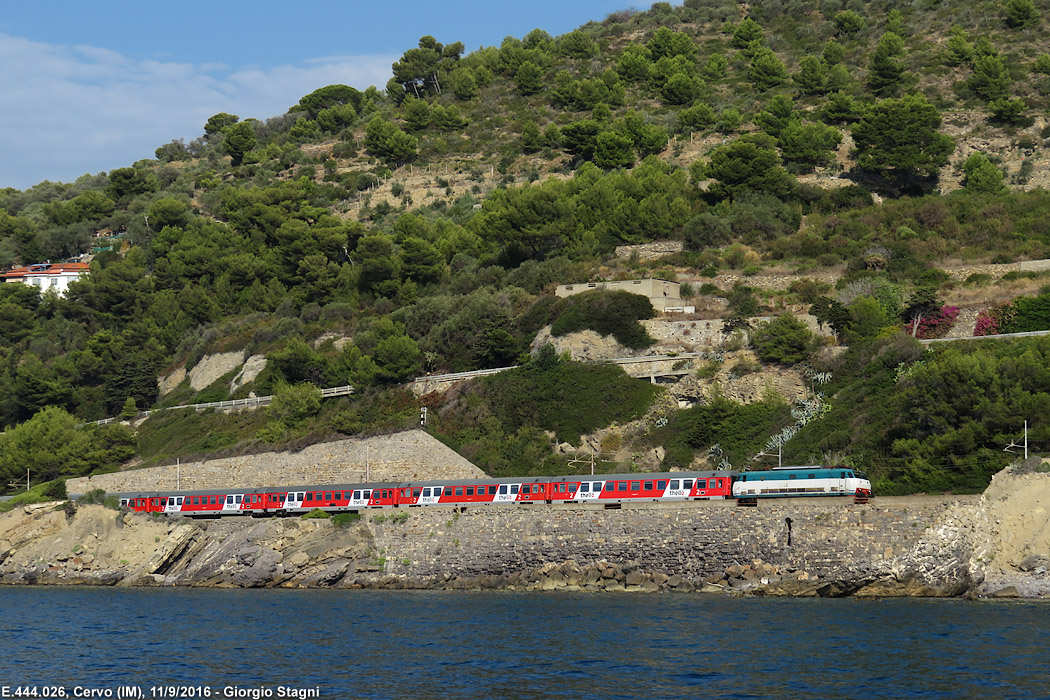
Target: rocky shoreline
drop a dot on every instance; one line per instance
(994, 546)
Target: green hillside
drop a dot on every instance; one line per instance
(368, 237)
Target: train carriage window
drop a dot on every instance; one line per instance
(470, 490)
(492, 490)
(213, 502)
(563, 487)
(448, 490)
(337, 496)
(196, 500)
(514, 488)
(229, 499)
(597, 486)
(687, 484)
(416, 492)
(503, 490)
(622, 486)
(585, 487)
(302, 496)
(661, 484)
(636, 485)
(459, 490)
(526, 489)
(178, 501)
(236, 499)
(327, 495)
(164, 501)
(674, 484)
(648, 486)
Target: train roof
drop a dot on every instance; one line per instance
(437, 482)
(472, 482)
(645, 475)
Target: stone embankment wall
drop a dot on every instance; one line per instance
(411, 455)
(827, 548)
(691, 542)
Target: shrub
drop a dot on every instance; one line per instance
(986, 324)
(316, 514)
(99, 497)
(936, 325)
(785, 340)
(607, 313)
(344, 520)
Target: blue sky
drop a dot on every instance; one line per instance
(91, 86)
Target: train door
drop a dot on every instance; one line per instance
(841, 481)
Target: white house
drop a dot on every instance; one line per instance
(45, 276)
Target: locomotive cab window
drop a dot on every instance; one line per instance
(843, 475)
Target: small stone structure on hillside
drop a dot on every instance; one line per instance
(664, 295)
(411, 455)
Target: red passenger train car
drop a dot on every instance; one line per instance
(605, 489)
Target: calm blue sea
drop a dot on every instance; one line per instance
(365, 644)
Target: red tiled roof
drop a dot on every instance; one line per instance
(42, 269)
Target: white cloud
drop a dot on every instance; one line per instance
(70, 110)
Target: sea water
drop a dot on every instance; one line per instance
(164, 643)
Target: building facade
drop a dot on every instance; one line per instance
(47, 276)
(663, 295)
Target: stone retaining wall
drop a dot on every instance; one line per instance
(412, 455)
(693, 541)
